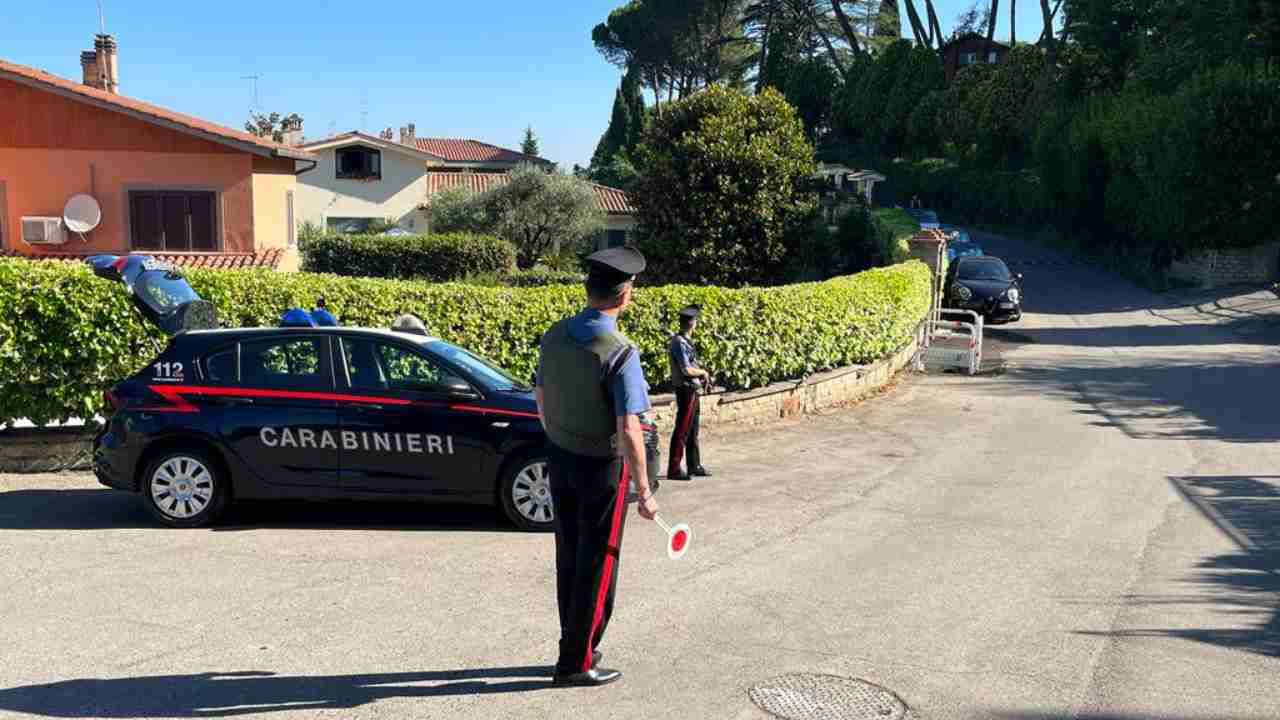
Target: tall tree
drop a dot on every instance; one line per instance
(992, 14)
(529, 146)
(1013, 23)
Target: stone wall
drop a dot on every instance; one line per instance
(836, 388)
(55, 449)
(1232, 266)
(30, 450)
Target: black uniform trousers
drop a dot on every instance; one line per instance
(684, 439)
(589, 498)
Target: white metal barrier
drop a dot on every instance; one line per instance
(967, 355)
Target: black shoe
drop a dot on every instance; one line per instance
(590, 678)
(678, 476)
(700, 472)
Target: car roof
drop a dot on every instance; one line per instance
(326, 330)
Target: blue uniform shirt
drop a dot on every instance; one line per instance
(630, 391)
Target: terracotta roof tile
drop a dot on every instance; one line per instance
(214, 261)
(463, 150)
(611, 200)
(150, 112)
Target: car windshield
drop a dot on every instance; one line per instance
(984, 270)
(164, 291)
(489, 374)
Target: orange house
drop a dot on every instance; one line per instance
(167, 183)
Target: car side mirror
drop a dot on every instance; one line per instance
(456, 386)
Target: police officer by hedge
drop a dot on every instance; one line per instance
(688, 380)
(591, 391)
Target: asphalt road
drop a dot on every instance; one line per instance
(1093, 533)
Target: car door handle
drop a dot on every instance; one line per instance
(368, 408)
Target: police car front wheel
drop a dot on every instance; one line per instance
(184, 489)
(526, 493)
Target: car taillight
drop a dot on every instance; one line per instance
(110, 403)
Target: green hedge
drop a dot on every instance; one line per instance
(66, 336)
(441, 258)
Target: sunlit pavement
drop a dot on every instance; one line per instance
(1094, 532)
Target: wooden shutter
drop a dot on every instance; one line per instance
(144, 221)
(203, 225)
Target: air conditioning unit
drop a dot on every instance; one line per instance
(43, 231)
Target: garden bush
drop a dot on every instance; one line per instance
(441, 257)
(66, 336)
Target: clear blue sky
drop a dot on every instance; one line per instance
(483, 70)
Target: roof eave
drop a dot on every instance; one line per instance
(260, 150)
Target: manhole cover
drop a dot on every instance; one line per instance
(807, 696)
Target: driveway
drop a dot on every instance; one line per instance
(1093, 533)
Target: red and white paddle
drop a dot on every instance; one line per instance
(678, 538)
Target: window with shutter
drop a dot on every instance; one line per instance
(173, 220)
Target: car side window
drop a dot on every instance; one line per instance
(293, 363)
(220, 367)
(407, 370)
(381, 366)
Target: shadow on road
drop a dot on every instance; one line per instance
(1244, 584)
(101, 509)
(1038, 715)
(1184, 401)
(240, 693)
(1237, 332)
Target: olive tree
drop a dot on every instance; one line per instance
(722, 188)
(536, 210)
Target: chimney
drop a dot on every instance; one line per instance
(291, 131)
(413, 138)
(89, 64)
(387, 135)
(407, 135)
(105, 47)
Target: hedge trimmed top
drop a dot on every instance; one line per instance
(66, 336)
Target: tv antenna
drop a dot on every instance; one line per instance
(254, 78)
(364, 110)
(102, 23)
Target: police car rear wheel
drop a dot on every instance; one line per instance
(526, 494)
(184, 489)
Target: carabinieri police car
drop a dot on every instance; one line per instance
(307, 411)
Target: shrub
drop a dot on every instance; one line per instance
(428, 257)
(723, 187)
(537, 277)
(66, 335)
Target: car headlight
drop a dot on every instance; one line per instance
(963, 292)
(1014, 295)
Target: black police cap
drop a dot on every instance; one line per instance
(623, 263)
(691, 311)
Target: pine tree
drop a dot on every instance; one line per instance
(529, 146)
(634, 99)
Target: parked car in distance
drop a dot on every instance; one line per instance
(928, 219)
(985, 286)
(960, 244)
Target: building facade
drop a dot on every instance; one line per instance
(165, 182)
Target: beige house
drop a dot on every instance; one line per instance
(361, 178)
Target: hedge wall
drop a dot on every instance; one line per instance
(65, 335)
(442, 257)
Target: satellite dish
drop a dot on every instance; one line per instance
(82, 214)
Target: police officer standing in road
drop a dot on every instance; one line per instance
(688, 379)
(591, 392)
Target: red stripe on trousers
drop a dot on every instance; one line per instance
(607, 572)
(677, 452)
